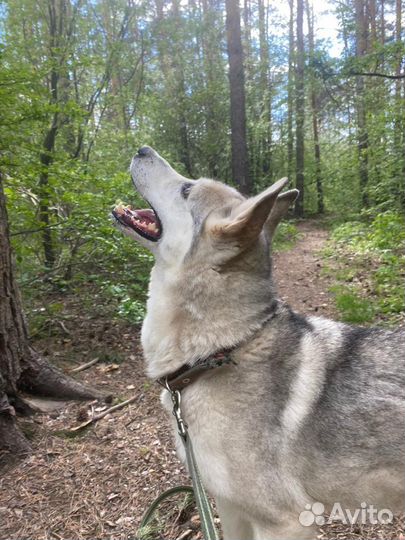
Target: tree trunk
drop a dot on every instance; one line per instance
(21, 368)
(401, 176)
(247, 37)
(382, 23)
(399, 110)
(300, 110)
(265, 84)
(56, 25)
(172, 65)
(398, 97)
(240, 169)
(315, 116)
(211, 62)
(362, 134)
(372, 18)
(178, 68)
(290, 99)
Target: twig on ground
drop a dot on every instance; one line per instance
(101, 415)
(82, 367)
(63, 326)
(185, 534)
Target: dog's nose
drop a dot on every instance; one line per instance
(145, 151)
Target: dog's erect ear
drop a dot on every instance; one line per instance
(279, 210)
(247, 219)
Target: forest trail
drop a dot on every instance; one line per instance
(98, 484)
(298, 272)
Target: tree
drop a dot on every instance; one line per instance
(399, 125)
(215, 88)
(315, 114)
(266, 89)
(290, 90)
(300, 111)
(240, 169)
(21, 368)
(60, 33)
(362, 134)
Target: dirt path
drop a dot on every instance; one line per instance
(297, 273)
(98, 484)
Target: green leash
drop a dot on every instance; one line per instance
(203, 504)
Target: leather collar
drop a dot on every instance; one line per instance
(186, 375)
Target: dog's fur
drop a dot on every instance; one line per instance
(313, 410)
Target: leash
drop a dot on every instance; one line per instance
(204, 508)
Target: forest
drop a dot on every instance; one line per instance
(245, 92)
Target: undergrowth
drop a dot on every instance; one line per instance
(286, 236)
(115, 286)
(366, 260)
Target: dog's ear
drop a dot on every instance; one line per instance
(279, 210)
(247, 219)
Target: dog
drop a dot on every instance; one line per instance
(310, 410)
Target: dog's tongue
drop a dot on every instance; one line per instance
(147, 215)
(144, 220)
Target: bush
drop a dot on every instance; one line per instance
(373, 252)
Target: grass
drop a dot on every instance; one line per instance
(286, 236)
(352, 307)
(366, 261)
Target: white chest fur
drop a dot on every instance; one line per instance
(208, 445)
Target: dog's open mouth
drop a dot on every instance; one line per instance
(144, 222)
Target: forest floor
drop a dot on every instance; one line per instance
(97, 482)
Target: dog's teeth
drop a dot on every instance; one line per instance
(120, 209)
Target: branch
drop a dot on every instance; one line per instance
(85, 366)
(374, 74)
(101, 415)
(31, 231)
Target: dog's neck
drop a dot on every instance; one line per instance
(194, 314)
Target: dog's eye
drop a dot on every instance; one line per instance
(185, 190)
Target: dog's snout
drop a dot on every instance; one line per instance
(145, 151)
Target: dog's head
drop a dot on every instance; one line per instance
(203, 220)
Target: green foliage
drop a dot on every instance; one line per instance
(286, 236)
(353, 308)
(129, 307)
(128, 74)
(367, 261)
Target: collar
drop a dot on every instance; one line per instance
(186, 375)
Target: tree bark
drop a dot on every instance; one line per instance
(265, 83)
(300, 111)
(46, 156)
(382, 22)
(172, 65)
(290, 99)
(21, 368)
(211, 62)
(178, 68)
(315, 116)
(398, 100)
(362, 134)
(240, 169)
(247, 36)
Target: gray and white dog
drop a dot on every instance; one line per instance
(310, 411)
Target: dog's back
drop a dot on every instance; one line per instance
(355, 432)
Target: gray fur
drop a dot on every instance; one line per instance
(313, 410)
